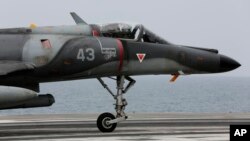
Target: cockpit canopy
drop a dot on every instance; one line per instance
(126, 31)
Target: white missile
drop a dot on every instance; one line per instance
(13, 96)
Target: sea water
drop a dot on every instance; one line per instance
(150, 94)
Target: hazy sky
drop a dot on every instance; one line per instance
(219, 24)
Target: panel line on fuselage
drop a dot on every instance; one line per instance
(100, 43)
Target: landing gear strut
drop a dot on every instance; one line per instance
(107, 122)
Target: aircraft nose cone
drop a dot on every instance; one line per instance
(228, 64)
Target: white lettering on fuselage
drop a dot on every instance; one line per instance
(108, 53)
(88, 54)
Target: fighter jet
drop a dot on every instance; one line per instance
(33, 55)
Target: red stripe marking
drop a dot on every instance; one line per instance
(95, 33)
(121, 53)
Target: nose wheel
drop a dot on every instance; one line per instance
(103, 122)
(107, 122)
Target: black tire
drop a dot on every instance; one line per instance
(102, 122)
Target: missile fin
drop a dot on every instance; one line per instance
(77, 19)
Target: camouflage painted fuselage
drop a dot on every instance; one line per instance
(72, 52)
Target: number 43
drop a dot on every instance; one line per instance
(88, 54)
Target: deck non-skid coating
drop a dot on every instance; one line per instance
(143, 126)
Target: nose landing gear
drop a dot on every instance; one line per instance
(107, 122)
(103, 122)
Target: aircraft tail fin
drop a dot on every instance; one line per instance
(77, 19)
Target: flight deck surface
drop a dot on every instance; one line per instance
(139, 126)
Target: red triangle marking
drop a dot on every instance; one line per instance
(140, 56)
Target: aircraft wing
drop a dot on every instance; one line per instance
(12, 66)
